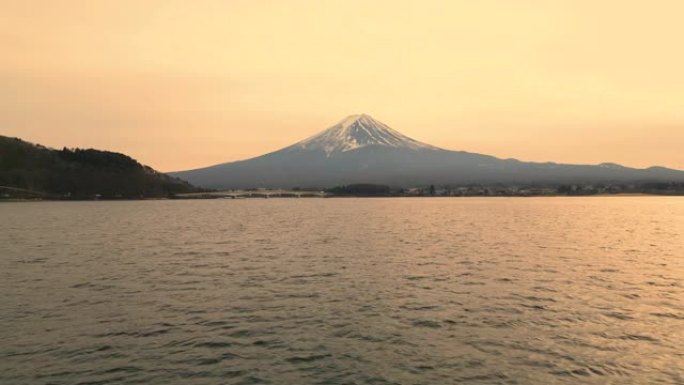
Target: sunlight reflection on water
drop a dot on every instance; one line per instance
(343, 291)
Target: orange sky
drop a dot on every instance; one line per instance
(180, 84)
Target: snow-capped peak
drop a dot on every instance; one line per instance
(357, 131)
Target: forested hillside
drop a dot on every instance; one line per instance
(30, 170)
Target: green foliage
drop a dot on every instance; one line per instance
(104, 160)
(79, 173)
(361, 190)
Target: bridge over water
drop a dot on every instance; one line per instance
(259, 193)
(7, 190)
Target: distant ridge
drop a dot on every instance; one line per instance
(32, 171)
(360, 149)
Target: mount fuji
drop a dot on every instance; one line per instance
(360, 149)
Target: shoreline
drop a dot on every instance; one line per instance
(16, 200)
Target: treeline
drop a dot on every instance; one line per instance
(361, 189)
(504, 190)
(655, 188)
(28, 170)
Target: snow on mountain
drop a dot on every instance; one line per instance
(360, 149)
(358, 131)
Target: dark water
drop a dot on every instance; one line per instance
(343, 291)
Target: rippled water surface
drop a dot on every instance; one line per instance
(343, 291)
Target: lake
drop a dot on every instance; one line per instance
(343, 291)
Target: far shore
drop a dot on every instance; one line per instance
(15, 200)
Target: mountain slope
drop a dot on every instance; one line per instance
(356, 132)
(360, 149)
(27, 169)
